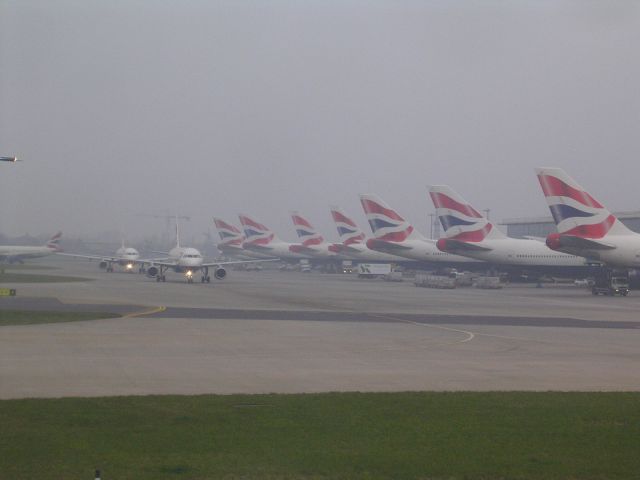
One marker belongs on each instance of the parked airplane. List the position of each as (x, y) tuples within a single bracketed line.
[(393, 234), (585, 226), (353, 240), (470, 234), (312, 242), (19, 253), (261, 239), (125, 257), (231, 241), (187, 260)]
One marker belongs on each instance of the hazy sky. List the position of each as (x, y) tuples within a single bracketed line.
[(214, 108)]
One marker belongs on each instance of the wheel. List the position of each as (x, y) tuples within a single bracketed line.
[(208, 279), (202, 279), (164, 279), (158, 278)]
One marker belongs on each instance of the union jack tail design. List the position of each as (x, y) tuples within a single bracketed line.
[(459, 219), (574, 211), (308, 235), (229, 234), (349, 232), (54, 242), (255, 233), (385, 222)]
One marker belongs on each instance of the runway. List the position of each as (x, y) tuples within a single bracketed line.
[(276, 331)]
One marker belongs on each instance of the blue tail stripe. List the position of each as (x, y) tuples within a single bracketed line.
[(377, 223), (561, 212), (449, 221)]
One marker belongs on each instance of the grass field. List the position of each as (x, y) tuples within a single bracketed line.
[(342, 436), (18, 277), (26, 317)]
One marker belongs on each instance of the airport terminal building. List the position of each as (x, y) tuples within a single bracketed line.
[(542, 226)]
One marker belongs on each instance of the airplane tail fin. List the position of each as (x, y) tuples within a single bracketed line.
[(229, 234), (459, 219), (386, 224), (349, 232), (307, 234), (574, 211), (256, 233), (54, 242)]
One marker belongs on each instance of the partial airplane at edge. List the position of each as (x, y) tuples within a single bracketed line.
[(469, 233), (353, 240), (393, 234), (19, 253), (585, 226)]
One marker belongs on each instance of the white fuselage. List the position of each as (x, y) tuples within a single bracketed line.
[(127, 256), (360, 252), (626, 253), (321, 250), (19, 252), (275, 249), (186, 258), (238, 251), (423, 251), (522, 252)]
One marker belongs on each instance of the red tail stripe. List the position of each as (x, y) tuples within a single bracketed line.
[(247, 222), (475, 235), (339, 217), (554, 187), (298, 220), (597, 230), (440, 200), (372, 207), (223, 224)]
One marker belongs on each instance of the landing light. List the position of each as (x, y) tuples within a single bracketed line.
[(129, 266), (189, 273)]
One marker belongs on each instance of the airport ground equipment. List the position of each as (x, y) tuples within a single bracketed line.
[(434, 281), (611, 283), (373, 270), (488, 283)]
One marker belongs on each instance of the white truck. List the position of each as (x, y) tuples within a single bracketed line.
[(373, 270)]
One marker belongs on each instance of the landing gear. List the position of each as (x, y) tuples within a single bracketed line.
[(142, 269), (205, 275), (110, 268)]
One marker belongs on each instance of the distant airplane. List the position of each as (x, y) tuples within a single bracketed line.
[(259, 238), (9, 159), (231, 240), (469, 233), (19, 253), (353, 241), (585, 226), (126, 257), (187, 260), (393, 234), (312, 242)]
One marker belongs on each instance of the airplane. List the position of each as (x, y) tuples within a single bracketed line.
[(18, 253), (585, 226), (353, 241), (469, 233), (188, 260), (231, 241), (313, 243), (126, 257), (9, 159), (393, 234), (259, 238)]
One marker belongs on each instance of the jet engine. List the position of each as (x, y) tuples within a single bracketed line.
[(220, 273), (152, 271)]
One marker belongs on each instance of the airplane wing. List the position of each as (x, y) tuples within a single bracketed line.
[(108, 258), (571, 241), (236, 262), (457, 245)]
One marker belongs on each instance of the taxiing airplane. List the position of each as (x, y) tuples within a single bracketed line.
[(469, 233), (353, 240), (312, 242), (19, 253), (393, 234), (188, 261), (125, 257), (259, 238), (585, 226)]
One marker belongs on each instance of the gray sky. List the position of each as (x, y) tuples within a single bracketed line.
[(211, 108)]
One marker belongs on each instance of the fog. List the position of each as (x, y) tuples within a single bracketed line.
[(123, 108)]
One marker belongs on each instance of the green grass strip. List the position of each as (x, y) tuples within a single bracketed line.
[(338, 436), (27, 317)]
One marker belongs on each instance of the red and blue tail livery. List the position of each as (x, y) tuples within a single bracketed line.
[(349, 232), (385, 223), (307, 234), (229, 234), (575, 212), (255, 233), (54, 242), (458, 218)]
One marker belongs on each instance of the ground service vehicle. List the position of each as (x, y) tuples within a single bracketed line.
[(611, 283)]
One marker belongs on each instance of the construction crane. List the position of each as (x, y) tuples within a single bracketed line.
[(168, 219)]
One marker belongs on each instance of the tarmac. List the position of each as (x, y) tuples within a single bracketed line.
[(292, 332)]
